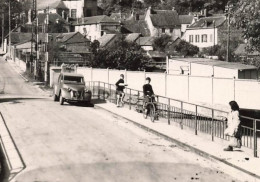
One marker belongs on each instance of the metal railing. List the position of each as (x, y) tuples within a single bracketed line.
[(200, 119)]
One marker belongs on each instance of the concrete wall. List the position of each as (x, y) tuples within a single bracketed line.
[(195, 89)]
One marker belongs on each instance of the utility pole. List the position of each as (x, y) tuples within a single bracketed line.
[(227, 9), (3, 27), (10, 28), (46, 49)]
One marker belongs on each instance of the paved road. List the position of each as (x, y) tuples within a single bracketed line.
[(84, 144)]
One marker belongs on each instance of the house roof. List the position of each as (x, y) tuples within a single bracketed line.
[(106, 39), (217, 63), (208, 22), (71, 37), (53, 17), (145, 41), (241, 50), (17, 37), (136, 26), (186, 19), (132, 37), (165, 18), (96, 20), (120, 16)]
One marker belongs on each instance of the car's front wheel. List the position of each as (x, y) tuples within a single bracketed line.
[(61, 100), (55, 97)]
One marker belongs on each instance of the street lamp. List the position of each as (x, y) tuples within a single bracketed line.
[(228, 13)]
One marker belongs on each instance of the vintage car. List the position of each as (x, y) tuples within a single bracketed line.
[(70, 87)]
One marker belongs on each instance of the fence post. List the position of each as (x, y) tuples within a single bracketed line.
[(168, 112), (130, 98), (196, 121), (255, 139), (165, 79), (212, 125), (181, 123)]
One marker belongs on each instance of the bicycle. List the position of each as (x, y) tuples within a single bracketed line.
[(148, 108)]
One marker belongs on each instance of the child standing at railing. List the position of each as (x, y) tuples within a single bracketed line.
[(234, 127)]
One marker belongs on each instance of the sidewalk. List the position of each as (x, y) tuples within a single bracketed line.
[(241, 159)]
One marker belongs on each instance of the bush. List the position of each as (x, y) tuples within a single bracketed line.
[(186, 49)]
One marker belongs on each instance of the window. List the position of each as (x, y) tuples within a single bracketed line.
[(73, 13), (197, 38), (171, 30), (163, 30), (204, 38), (211, 38), (191, 38)]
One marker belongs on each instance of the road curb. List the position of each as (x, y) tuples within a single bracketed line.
[(183, 145)]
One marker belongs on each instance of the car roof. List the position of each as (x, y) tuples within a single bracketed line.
[(72, 74)]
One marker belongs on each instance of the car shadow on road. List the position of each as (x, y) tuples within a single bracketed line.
[(17, 100)]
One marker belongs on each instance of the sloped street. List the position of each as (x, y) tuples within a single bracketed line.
[(77, 144)]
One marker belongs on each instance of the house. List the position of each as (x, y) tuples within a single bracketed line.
[(96, 26), (108, 40), (241, 52), (146, 43), (186, 21), (157, 59), (71, 8), (205, 32), (211, 68), (73, 42), (162, 22)]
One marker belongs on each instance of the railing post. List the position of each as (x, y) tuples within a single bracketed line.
[(98, 89), (130, 98), (212, 125), (181, 123), (168, 111), (196, 121), (255, 139), (110, 92), (104, 91)]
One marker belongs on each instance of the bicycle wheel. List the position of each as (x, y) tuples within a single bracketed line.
[(144, 111), (152, 112)]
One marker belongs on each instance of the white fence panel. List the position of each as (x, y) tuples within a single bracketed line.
[(158, 82), (177, 87), (100, 75), (247, 94), (223, 90), (200, 89), (135, 79), (86, 72)]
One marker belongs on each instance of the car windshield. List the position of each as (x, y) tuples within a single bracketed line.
[(73, 79)]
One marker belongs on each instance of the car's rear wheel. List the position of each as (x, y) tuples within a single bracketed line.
[(61, 100)]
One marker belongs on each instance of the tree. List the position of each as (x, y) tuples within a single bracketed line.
[(160, 43), (247, 17), (186, 49), (122, 55)]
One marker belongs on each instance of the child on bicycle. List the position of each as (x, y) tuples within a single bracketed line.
[(148, 95), (120, 86)]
